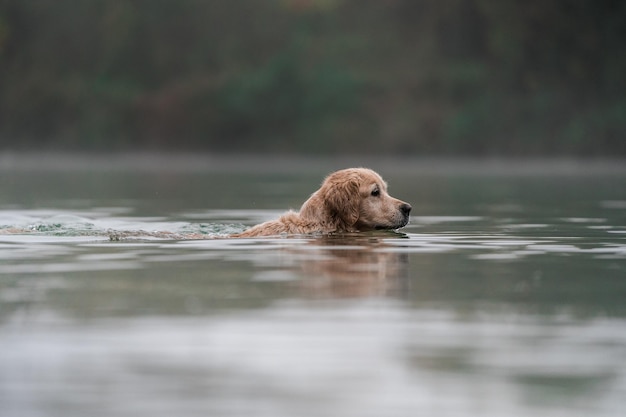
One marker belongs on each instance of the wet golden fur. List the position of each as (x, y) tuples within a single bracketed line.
[(350, 200)]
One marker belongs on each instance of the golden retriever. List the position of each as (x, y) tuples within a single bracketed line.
[(350, 200)]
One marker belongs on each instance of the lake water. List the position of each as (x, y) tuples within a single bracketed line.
[(504, 296)]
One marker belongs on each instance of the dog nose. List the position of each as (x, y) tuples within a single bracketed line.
[(405, 208)]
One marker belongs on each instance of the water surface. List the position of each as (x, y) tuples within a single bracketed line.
[(505, 295)]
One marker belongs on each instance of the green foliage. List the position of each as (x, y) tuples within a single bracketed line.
[(453, 77), (284, 98)]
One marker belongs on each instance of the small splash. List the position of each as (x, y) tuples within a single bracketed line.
[(64, 225), (188, 232), (213, 229), (115, 228)]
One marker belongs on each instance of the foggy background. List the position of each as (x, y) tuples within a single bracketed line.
[(409, 77)]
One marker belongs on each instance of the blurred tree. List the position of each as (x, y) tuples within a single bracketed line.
[(397, 76)]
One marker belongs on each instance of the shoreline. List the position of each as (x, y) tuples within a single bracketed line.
[(184, 162)]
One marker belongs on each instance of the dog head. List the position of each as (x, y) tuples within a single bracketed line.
[(355, 199)]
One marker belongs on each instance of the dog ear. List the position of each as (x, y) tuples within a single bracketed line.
[(341, 197)]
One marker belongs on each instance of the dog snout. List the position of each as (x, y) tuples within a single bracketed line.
[(405, 208)]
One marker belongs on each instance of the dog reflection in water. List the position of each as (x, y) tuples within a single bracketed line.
[(344, 267)]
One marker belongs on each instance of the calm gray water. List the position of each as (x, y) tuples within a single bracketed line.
[(505, 295)]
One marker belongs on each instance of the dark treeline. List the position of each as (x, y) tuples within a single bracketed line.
[(506, 77)]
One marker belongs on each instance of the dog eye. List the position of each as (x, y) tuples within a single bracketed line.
[(375, 192)]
